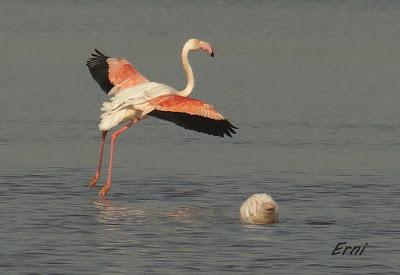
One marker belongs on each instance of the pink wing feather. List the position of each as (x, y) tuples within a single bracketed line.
[(192, 114), (113, 73)]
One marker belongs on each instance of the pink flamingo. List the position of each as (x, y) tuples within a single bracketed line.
[(135, 98)]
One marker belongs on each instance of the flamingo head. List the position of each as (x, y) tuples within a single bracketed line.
[(195, 44)]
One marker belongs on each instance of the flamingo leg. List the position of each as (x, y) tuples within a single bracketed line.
[(104, 190), (95, 178)]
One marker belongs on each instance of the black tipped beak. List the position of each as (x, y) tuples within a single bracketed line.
[(212, 54)]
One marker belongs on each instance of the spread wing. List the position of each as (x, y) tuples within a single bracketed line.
[(192, 114), (113, 74)]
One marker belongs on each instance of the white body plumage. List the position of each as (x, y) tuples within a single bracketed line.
[(131, 103)]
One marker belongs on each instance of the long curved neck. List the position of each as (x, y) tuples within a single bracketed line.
[(189, 73)]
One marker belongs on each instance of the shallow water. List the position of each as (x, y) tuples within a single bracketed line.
[(313, 88)]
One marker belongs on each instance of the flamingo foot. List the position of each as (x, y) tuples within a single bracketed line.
[(104, 190), (93, 180)]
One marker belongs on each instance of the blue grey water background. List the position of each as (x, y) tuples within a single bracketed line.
[(313, 86)]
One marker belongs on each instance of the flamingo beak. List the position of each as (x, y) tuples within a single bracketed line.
[(207, 48)]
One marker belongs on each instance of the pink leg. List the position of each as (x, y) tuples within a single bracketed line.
[(114, 136), (95, 178)]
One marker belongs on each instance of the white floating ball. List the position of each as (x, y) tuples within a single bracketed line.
[(259, 209)]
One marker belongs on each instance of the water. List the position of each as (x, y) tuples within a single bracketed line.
[(312, 86)]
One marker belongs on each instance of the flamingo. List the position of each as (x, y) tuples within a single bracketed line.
[(134, 98)]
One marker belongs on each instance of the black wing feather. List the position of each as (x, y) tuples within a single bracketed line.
[(197, 123), (98, 68)]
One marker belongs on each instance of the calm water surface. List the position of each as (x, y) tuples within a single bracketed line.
[(313, 87)]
